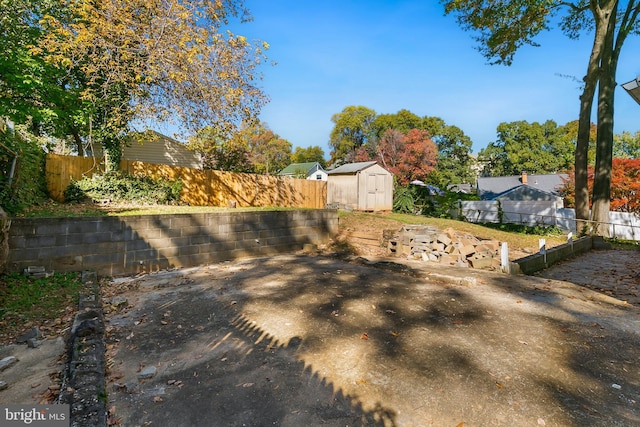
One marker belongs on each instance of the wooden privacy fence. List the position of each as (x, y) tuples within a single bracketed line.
[(200, 187)]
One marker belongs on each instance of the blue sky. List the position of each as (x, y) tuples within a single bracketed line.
[(392, 55)]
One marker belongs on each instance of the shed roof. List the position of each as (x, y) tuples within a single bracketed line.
[(351, 168)]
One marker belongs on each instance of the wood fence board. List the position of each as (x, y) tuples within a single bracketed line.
[(200, 187)]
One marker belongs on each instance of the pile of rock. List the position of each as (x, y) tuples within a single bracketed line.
[(446, 247)]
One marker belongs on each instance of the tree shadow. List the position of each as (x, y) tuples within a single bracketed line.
[(311, 340)]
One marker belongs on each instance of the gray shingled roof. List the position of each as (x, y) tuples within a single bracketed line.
[(490, 187), (351, 168)]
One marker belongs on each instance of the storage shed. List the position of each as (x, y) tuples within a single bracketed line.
[(363, 186)]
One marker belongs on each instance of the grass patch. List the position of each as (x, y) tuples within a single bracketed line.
[(89, 209), (515, 239), (26, 302)]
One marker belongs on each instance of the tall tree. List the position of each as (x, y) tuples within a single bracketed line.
[(504, 26), (454, 152), (96, 66), (270, 152), (351, 131), (221, 153), (529, 147), (402, 121), (408, 156), (309, 154), (34, 92), (626, 145)]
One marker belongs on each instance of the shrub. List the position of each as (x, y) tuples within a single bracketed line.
[(28, 186), (119, 187)]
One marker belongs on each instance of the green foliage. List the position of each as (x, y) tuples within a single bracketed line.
[(118, 187), (419, 200), (626, 145), (308, 155), (353, 128), (532, 147), (37, 298), (28, 186), (404, 200), (443, 205)]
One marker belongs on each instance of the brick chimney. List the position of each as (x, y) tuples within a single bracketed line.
[(524, 179)]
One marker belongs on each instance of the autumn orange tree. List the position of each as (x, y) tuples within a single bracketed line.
[(625, 185), (408, 156)]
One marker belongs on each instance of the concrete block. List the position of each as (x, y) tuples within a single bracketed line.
[(480, 262), (438, 247), (444, 239), (448, 259), (467, 250)]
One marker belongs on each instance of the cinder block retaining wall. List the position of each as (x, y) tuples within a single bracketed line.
[(123, 245), (539, 261)]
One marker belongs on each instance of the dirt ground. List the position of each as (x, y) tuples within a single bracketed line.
[(316, 340), (311, 340)]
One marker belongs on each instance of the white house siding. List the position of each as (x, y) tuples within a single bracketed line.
[(319, 173)]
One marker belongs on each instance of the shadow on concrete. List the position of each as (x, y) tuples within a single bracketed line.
[(310, 340)]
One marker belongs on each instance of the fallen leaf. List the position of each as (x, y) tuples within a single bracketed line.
[(361, 381), (364, 336), (499, 385), (460, 424)]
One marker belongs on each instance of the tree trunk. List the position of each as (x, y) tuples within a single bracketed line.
[(582, 151), (5, 222), (602, 19), (604, 143), (79, 144)]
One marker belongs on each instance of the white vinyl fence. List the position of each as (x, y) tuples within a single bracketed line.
[(622, 225)]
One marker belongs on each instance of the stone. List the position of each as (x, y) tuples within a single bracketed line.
[(147, 372), (88, 327), (34, 333), (481, 262), (448, 259), (7, 362), (444, 239), (3, 385), (467, 250), (33, 343), (119, 301)]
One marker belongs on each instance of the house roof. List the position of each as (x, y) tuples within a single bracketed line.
[(526, 192), (491, 187), (294, 168), (351, 168)]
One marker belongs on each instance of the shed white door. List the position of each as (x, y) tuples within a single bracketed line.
[(375, 192)]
